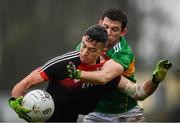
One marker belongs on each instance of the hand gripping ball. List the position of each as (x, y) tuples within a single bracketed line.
[(40, 103)]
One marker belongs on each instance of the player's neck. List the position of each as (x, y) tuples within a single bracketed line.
[(112, 44)]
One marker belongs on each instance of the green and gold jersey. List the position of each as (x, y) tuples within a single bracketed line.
[(116, 101), (122, 54)]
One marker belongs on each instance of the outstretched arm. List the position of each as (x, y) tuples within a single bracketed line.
[(142, 91), (15, 101), (34, 78)]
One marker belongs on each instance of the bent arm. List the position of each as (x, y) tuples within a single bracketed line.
[(109, 71), (137, 91), (34, 78)]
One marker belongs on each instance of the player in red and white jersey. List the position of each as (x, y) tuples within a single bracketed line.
[(71, 96)]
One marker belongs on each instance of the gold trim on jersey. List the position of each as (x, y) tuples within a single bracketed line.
[(130, 71)]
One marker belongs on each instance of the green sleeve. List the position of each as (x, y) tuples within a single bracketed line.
[(125, 59)]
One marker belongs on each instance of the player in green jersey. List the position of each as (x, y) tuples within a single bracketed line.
[(115, 106), (136, 91)]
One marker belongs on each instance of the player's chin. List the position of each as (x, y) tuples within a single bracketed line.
[(112, 40)]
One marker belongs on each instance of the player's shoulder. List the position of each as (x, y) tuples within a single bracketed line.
[(68, 55), (71, 53), (120, 48), (123, 47), (63, 58)]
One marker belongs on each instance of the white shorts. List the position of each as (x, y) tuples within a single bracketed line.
[(133, 115)]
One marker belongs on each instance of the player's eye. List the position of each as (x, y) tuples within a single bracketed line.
[(115, 29)]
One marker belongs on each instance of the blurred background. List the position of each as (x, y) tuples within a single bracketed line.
[(33, 31)]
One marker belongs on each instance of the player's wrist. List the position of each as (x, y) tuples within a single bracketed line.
[(154, 80), (155, 77), (12, 99)]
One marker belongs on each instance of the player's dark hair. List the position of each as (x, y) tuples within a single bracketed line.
[(97, 33), (116, 14)]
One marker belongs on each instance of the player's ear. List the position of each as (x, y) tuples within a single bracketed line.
[(124, 31)]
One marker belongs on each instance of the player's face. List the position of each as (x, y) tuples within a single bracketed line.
[(90, 50), (114, 29)]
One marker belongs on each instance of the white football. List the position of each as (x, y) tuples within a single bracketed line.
[(40, 103)]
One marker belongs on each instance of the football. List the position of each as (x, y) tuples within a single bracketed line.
[(40, 103)]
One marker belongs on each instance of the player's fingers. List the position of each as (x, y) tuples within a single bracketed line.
[(168, 65), (70, 71), (19, 99), (67, 66), (163, 63), (22, 109), (72, 65), (24, 116), (70, 76), (25, 110), (160, 63)]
